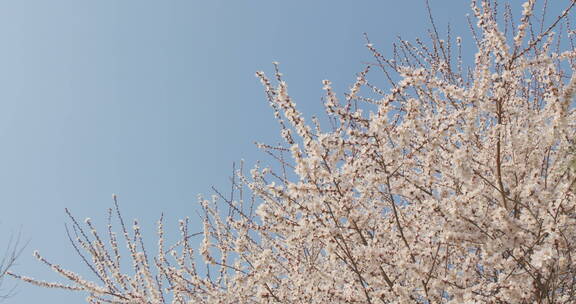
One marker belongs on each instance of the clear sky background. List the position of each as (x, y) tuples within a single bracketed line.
[(154, 101)]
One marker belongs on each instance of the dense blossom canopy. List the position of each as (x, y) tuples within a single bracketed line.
[(452, 185)]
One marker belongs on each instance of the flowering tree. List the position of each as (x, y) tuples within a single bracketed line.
[(455, 185)]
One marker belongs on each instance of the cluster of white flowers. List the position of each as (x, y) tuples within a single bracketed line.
[(451, 188)]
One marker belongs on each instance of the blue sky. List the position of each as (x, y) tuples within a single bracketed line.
[(154, 101)]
